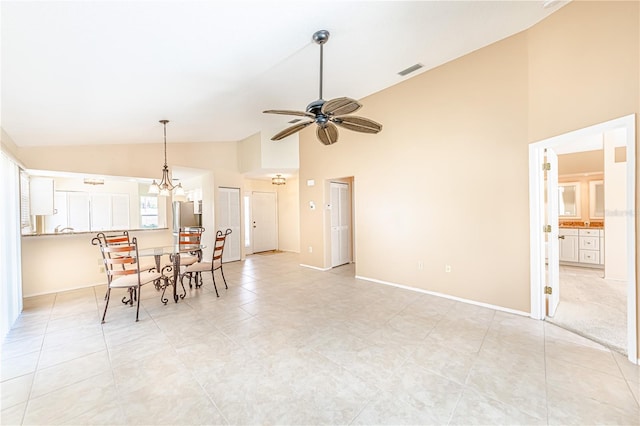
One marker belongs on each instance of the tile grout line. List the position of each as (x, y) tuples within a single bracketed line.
[(44, 335)]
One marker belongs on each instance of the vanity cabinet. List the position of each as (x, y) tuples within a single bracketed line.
[(582, 246), (589, 246), (568, 245)]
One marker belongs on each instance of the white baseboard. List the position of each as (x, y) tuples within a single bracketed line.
[(314, 267), (447, 296), (64, 289)]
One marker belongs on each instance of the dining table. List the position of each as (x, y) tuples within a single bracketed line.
[(171, 272)]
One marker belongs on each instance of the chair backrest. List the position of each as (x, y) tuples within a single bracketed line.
[(118, 259), (116, 239), (190, 238), (218, 247)]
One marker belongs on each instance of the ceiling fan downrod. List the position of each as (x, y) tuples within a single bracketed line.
[(321, 37)]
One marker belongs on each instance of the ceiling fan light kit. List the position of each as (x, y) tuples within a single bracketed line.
[(328, 115)]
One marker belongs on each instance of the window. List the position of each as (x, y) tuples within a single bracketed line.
[(149, 215)]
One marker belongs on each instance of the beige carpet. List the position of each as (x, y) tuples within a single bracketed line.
[(593, 307)]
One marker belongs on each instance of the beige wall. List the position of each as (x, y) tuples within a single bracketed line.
[(446, 181)]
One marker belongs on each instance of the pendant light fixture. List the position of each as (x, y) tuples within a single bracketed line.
[(165, 187), (278, 180)]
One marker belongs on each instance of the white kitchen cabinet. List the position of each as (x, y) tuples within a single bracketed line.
[(82, 212), (568, 245), (78, 204), (41, 195)]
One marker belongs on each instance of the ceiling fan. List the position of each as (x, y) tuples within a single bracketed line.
[(327, 114)]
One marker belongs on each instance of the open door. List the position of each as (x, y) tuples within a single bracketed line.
[(552, 288)]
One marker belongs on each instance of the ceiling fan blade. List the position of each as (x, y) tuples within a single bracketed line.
[(358, 124), (341, 106), (291, 130), (327, 133), (289, 112)]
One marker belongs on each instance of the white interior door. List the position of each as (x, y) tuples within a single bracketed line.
[(553, 246), (264, 226), (229, 218), (340, 224)]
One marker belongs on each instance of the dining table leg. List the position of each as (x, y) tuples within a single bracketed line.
[(176, 278)]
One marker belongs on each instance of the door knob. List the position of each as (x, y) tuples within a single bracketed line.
[(561, 237)]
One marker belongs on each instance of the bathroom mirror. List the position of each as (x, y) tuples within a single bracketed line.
[(569, 200), (596, 199)]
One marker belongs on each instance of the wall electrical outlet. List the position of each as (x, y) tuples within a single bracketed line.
[(447, 268), (310, 249), (420, 265)]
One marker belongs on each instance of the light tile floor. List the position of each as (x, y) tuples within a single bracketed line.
[(291, 345)]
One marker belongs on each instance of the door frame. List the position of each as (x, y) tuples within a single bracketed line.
[(553, 242), (536, 220)]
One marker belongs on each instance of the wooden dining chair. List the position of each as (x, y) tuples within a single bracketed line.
[(123, 238), (118, 238), (122, 269), (216, 263), (189, 240)]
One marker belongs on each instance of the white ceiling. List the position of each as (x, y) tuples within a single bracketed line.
[(105, 72)]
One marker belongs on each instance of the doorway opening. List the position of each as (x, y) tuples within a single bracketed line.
[(619, 241)]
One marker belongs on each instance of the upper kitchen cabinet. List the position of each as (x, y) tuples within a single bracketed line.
[(41, 195)]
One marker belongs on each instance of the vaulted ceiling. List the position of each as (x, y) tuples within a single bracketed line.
[(105, 72)]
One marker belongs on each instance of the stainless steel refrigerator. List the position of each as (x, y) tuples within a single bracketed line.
[(184, 215)]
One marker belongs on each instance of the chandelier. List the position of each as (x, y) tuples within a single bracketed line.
[(278, 180), (165, 187)]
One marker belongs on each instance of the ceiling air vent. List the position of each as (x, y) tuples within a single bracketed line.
[(411, 69), (295, 120)]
